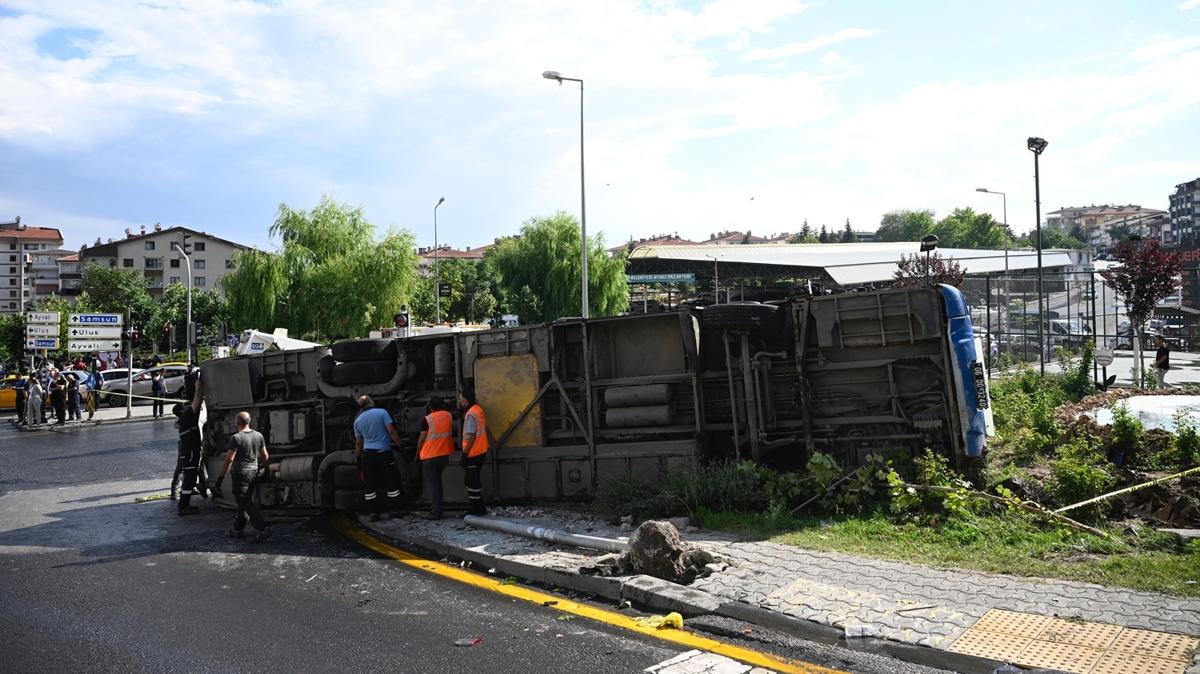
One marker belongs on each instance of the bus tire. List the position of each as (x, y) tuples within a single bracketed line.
[(359, 350), (348, 500), (363, 372), (741, 316), (345, 476)]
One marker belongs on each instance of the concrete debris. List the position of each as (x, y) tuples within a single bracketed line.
[(858, 631), (657, 550)]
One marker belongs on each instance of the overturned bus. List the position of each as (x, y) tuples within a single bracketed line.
[(574, 404)]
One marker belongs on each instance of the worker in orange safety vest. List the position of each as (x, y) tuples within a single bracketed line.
[(474, 450), (437, 444)]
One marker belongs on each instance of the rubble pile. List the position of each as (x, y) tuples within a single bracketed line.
[(656, 549)]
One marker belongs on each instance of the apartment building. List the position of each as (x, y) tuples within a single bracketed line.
[(1102, 225), (1185, 209), (152, 254), (21, 283)]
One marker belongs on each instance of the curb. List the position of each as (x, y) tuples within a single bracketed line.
[(80, 425), (664, 595)]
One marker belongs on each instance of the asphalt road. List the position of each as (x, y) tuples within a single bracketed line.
[(92, 581)]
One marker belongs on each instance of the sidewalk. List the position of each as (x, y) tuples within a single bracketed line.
[(104, 416), (1069, 626)]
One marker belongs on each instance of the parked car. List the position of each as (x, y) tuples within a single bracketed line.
[(142, 386), (8, 395)]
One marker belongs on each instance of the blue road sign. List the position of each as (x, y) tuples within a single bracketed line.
[(96, 319), (636, 279)]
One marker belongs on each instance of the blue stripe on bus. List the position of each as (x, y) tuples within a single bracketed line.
[(962, 342)]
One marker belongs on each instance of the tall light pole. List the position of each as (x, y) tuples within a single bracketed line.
[(437, 272), (1037, 146), (716, 278), (187, 328), (554, 75), (1004, 201)]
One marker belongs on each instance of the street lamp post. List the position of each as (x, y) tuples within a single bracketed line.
[(1004, 202), (437, 272), (716, 278), (554, 75), (1037, 146), (188, 327)]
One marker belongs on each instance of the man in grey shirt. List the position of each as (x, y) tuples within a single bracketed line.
[(246, 449)]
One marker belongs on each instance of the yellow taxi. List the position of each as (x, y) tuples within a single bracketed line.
[(8, 395)]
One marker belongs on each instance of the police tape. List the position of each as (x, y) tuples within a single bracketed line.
[(134, 395)]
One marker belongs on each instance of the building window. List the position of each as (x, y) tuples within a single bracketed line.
[(149, 245), (229, 264), (31, 246), (200, 281), (127, 262), (198, 264), (13, 258), (12, 293), (174, 279), (154, 263), (13, 281), (175, 263), (12, 270), (199, 246)]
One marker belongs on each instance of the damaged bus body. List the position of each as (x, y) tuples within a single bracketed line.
[(575, 404)]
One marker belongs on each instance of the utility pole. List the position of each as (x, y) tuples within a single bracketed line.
[(437, 274), (129, 365), (1037, 146), (189, 331)]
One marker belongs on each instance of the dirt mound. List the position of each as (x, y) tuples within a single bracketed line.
[(656, 549)]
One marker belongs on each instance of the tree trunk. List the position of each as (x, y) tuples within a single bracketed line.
[(1137, 357)]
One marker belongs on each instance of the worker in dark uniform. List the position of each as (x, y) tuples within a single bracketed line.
[(374, 435), (190, 378), (248, 458), (95, 382), (436, 445), (188, 460), (475, 446), (158, 389), (20, 386)]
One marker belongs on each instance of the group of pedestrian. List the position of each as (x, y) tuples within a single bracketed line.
[(64, 391), (375, 434)]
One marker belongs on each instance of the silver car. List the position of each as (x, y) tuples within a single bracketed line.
[(143, 386)]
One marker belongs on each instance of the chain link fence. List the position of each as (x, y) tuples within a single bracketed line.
[(1077, 307)]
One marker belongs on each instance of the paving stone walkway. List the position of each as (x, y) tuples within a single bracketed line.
[(922, 605)]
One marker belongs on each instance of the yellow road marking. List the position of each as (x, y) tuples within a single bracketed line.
[(681, 637)]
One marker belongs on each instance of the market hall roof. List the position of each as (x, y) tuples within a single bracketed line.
[(846, 264)]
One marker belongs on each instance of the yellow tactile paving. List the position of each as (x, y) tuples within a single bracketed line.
[(1068, 658), (990, 645), (1076, 633), (1012, 622), (1156, 644), (1115, 662), (1074, 645)]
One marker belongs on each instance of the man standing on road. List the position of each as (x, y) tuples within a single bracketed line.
[(247, 451), (95, 381), (436, 446), (34, 403), (474, 450), (190, 378), (1162, 360), (158, 389), (73, 397), (374, 434), (19, 386), (58, 397), (188, 459)]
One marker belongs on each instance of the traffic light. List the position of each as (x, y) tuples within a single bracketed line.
[(136, 335), (187, 244)]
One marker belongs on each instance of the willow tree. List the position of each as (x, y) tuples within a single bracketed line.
[(332, 276), (541, 271)]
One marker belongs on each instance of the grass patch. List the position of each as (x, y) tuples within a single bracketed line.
[(986, 543)]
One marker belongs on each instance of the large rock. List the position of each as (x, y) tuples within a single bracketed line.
[(656, 549)]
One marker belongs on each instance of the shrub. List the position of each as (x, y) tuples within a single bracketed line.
[(1081, 473), (1187, 440), (1127, 430), (1078, 382)]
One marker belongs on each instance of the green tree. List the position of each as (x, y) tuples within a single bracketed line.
[(805, 235), (12, 338), (540, 270), (848, 235), (1052, 238), (210, 309), (823, 237), (331, 278), (905, 225), (964, 228), (472, 292), (113, 290)]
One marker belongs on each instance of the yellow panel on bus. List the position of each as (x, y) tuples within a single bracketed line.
[(504, 386)]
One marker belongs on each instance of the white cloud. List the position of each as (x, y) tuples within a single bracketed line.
[(1189, 4), (819, 42)]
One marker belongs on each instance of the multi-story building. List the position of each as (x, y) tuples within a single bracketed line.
[(152, 254), (1101, 225), (21, 284), (1185, 210), (70, 275)]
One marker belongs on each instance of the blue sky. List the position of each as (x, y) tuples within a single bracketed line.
[(210, 114)]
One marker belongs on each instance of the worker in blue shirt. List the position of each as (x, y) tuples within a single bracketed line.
[(374, 435)]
